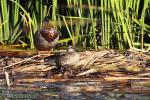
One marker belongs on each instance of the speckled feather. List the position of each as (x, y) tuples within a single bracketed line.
[(66, 59)]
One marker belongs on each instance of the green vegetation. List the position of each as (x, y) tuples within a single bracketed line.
[(117, 24)]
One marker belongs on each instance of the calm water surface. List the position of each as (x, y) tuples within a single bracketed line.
[(54, 94)]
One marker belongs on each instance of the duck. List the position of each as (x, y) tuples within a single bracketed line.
[(64, 60), (46, 37)]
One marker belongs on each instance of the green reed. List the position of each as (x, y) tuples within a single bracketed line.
[(5, 17), (127, 24), (121, 24), (16, 20)]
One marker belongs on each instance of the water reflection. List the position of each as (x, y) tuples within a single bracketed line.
[(7, 94)]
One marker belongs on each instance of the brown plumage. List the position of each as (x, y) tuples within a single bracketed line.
[(66, 60), (46, 37)]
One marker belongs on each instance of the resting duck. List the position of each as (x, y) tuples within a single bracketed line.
[(46, 37), (65, 60)]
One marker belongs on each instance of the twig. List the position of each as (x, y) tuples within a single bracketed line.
[(97, 56), (139, 50), (91, 59), (24, 60), (7, 78), (126, 78), (148, 49), (144, 74), (87, 72)]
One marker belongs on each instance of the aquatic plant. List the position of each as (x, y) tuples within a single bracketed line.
[(96, 24)]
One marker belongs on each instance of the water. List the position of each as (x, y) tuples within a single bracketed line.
[(45, 95), (61, 93)]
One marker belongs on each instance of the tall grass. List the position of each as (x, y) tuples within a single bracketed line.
[(125, 28), (5, 18), (18, 22), (120, 24)]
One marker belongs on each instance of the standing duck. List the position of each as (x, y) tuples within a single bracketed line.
[(46, 37)]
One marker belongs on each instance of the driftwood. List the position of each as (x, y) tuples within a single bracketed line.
[(128, 69)]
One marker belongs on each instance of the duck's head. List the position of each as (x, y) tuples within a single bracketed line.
[(48, 24), (49, 30), (70, 49)]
